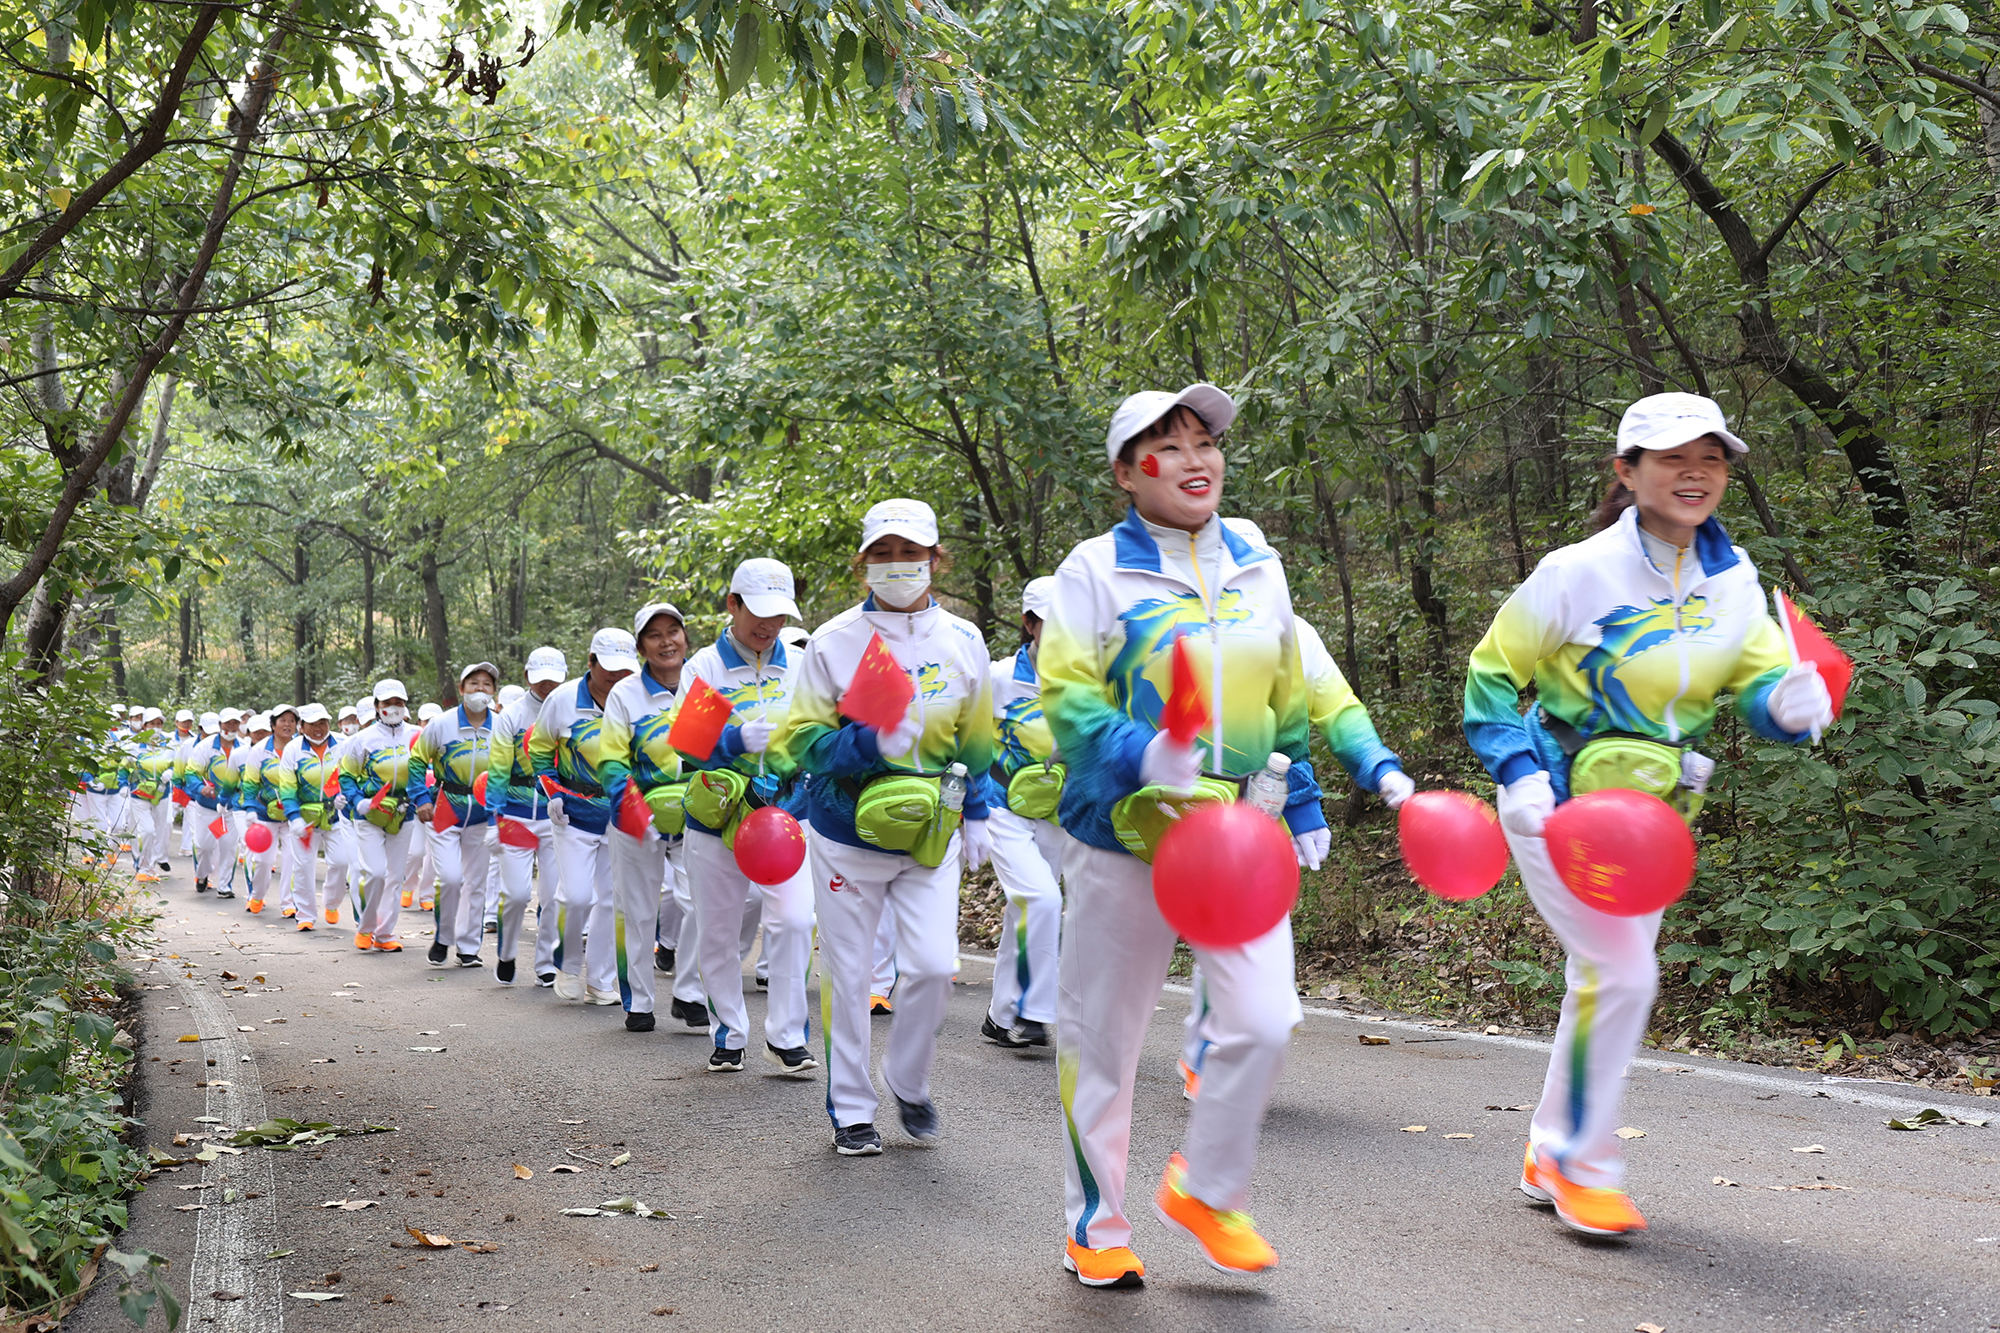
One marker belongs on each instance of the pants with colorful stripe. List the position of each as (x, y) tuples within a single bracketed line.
[(459, 853), (882, 978), (301, 872), (271, 863), (686, 939), (307, 893), (419, 867), (720, 893), (519, 884), (638, 881), (853, 889), (1612, 975), (587, 904), (190, 813), (156, 819), (489, 905), (1027, 858), (384, 859), (1116, 949), (215, 853)]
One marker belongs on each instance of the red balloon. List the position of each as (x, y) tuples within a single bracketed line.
[(1625, 853), (770, 846), (257, 838), (1224, 875), (479, 790), (1452, 843)]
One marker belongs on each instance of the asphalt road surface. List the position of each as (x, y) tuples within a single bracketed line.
[(1379, 1226)]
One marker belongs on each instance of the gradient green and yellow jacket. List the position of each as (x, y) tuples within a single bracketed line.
[(308, 778), (154, 776), (263, 782), (567, 749), (1613, 642), (209, 775), (1020, 729), (458, 750), (755, 688), (375, 760), (511, 789), (638, 713)]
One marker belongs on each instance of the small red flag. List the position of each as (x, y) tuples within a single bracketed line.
[(380, 797), (513, 833), (442, 815), (1810, 644), (880, 693), (332, 784), (699, 723), (634, 815), (1186, 710), (179, 797), (215, 829)]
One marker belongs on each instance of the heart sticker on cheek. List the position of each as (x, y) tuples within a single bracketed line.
[(1150, 465)]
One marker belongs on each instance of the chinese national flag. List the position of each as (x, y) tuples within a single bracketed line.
[(215, 829), (880, 693), (634, 815), (179, 797), (1810, 644), (442, 815), (513, 833), (698, 725), (380, 797), (1186, 711)]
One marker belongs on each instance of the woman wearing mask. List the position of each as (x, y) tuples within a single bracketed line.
[(261, 802), (454, 748), (1173, 569), (885, 837), (519, 806), (374, 793), (1630, 636), (309, 778)]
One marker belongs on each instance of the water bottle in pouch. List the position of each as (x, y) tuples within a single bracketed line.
[(1266, 790)]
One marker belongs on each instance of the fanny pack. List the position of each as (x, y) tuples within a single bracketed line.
[(1674, 773), (387, 816), (316, 815), (1143, 818), (668, 803), (714, 798), (905, 812), (1035, 791)]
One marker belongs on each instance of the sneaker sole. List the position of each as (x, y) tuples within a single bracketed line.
[(1535, 1192), (871, 1150), (1128, 1278), (724, 1069), (805, 1066), (1208, 1258)]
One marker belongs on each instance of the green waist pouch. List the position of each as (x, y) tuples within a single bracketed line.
[(1636, 764), (315, 816), (669, 809), (1143, 818), (387, 816), (274, 811), (1036, 791), (714, 799), (905, 812)]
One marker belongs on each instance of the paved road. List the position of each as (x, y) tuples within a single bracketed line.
[(1379, 1229)]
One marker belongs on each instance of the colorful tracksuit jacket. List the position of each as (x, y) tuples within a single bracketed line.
[(756, 688), (153, 768), (245, 766), (567, 750), (374, 760), (1339, 715), (263, 790), (946, 659), (1106, 663), (1020, 731), (638, 713), (511, 789), (1615, 643), (209, 775), (457, 750), (309, 778)]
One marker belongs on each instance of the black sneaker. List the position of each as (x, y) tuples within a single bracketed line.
[(1027, 1032), (638, 1022), (763, 982), (437, 954), (725, 1062), (470, 960), (225, 893), (857, 1141), (503, 971), (663, 958), (920, 1120), (545, 979), (492, 928), (694, 1015), (998, 1035), (201, 886), (791, 1059), (166, 867)]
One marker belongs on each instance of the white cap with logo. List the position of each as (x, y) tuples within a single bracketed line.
[(427, 712), (651, 609), (614, 649), (153, 715), (546, 664), (1216, 409), (390, 688), (1670, 420), (313, 713), (349, 710), (898, 518), (487, 667), (1039, 596), (185, 715), (229, 715), (510, 695), (210, 724), (765, 585), (795, 636), (259, 722)]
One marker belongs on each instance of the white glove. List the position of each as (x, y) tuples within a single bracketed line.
[(1395, 788), (755, 735), (1526, 804), (1799, 701), (1312, 847), (340, 802), (297, 826), (977, 840), (1166, 763), (900, 740), (557, 815)]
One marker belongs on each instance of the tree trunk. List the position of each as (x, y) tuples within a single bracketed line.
[(302, 621), (46, 617), (187, 648), (1349, 663), (367, 614), (114, 649), (435, 629)]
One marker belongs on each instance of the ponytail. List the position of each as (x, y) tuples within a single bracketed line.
[(1617, 497)]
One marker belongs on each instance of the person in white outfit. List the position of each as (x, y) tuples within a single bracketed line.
[(519, 808), (420, 882), (893, 816), (262, 807), (188, 734), (374, 793), (446, 758), (211, 784), (568, 751), (309, 779)]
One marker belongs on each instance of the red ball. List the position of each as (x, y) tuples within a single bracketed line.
[(1452, 843), (257, 838), (1625, 853), (479, 790), (1225, 874), (770, 846)]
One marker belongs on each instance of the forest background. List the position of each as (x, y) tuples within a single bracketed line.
[(341, 339)]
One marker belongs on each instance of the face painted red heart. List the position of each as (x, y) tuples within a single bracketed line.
[(1150, 465)]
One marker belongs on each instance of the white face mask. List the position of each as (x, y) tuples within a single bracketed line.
[(391, 715), (349, 728), (900, 582), (477, 702)]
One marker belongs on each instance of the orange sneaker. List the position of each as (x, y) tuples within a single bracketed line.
[(254, 906), (406, 897), (1592, 1209), (289, 912), (145, 877), (388, 946), (1114, 1266), (879, 1004), (124, 846), (364, 943), (1190, 1081), (305, 923), (426, 906), (333, 916), (1228, 1240)]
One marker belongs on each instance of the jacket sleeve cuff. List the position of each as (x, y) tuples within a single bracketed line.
[(1372, 779), (1515, 767), (731, 744), (1305, 817), (1125, 750)]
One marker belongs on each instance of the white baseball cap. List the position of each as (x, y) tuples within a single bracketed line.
[(1670, 420), (1215, 408), (471, 667), (651, 609), (898, 518), (185, 715), (365, 710), (136, 708), (210, 724), (615, 649), (390, 688), (765, 585), (153, 715), (427, 712), (281, 709), (313, 713), (510, 695), (1039, 596), (260, 722), (547, 664), (229, 715), (349, 710)]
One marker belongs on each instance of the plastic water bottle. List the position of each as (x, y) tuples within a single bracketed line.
[(1266, 790), (952, 788)]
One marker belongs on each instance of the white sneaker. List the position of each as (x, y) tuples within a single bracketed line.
[(569, 986), (592, 995)]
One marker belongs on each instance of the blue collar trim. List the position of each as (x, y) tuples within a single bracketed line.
[(1024, 666), (653, 686), (1136, 549)]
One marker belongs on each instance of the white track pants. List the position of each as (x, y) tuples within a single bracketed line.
[(489, 907), (419, 872), (687, 971), (853, 888), (459, 853), (1115, 952), (268, 865), (720, 892), (519, 884), (300, 890), (215, 853), (1612, 974), (882, 971), (587, 902), (155, 823), (308, 895), (384, 860), (1194, 1036), (1027, 858), (190, 822), (638, 880)]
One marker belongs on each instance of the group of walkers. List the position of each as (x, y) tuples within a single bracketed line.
[(1052, 763)]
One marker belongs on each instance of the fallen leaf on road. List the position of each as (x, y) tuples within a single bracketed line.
[(430, 1240), (664, 1309), (522, 1172), (1722, 1180), (318, 1295), (322, 1062), (208, 1120), (226, 1295), (189, 1207), (259, 978), (1366, 1040), (621, 1159), (229, 976), (569, 1122), (649, 1268), (1492, 1029), (628, 1204), (244, 1029), (583, 1212), (1647, 1328), (1931, 1116), (1627, 1132), (429, 1050), (1415, 1129), (280, 1254), (486, 1247), (349, 1205), (565, 1169), (1811, 1147), (189, 1037), (1458, 1136), (1822, 1185), (427, 1034)]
